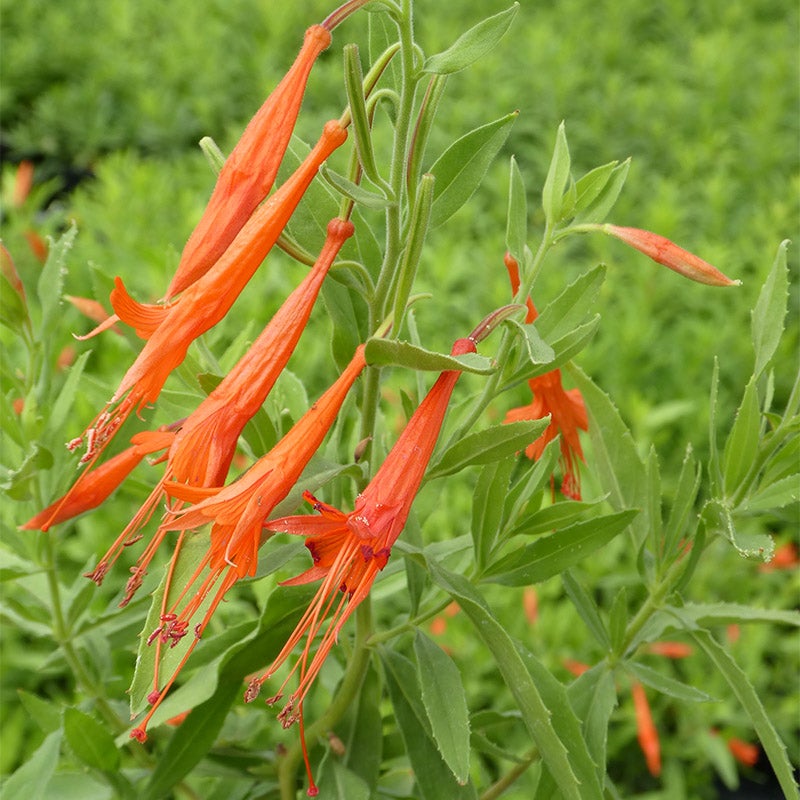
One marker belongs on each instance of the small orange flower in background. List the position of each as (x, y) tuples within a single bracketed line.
[(349, 550), (566, 409), (746, 753), (670, 649), (785, 557), (238, 513), (646, 731), (667, 253)]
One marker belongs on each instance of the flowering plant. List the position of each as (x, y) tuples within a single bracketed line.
[(215, 417)]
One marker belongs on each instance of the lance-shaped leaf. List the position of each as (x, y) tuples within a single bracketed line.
[(719, 518), (391, 352), (355, 192), (460, 169), (90, 741), (557, 176), (597, 209), (552, 555), (445, 704), (770, 311), (564, 752), (517, 217), (488, 445), (742, 444), (666, 685), (471, 45)]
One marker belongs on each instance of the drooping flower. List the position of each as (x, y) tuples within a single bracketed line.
[(566, 409), (203, 448), (95, 485), (250, 170), (171, 329), (669, 254), (238, 512), (349, 550)]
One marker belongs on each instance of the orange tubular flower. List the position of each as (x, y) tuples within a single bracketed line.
[(238, 512), (667, 253), (646, 731), (566, 409), (205, 445), (349, 550), (94, 486), (171, 329), (249, 171)]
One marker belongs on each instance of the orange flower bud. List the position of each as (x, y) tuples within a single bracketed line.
[(670, 255)]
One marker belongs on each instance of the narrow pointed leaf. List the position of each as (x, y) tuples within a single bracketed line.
[(552, 555), (391, 352), (517, 217), (445, 703), (557, 177), (90, 741), (668, 686), (471, 45), (598, 209), (742, 444), (770, 311), (460, 169), (488, 445)]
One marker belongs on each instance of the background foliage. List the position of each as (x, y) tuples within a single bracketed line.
[(109, 101)]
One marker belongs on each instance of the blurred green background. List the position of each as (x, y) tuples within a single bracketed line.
[(110, 99)]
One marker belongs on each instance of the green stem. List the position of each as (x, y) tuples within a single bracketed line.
[(351, 685), (497, 788)]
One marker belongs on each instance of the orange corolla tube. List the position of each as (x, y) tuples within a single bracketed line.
[(94, 486), (238, 513), (249, 171), (349, 550), (173, 328), (203, 448)]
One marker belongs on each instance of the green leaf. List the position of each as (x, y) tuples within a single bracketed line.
[(746, 694), (339, 783), (552, 518), (61, 408), (589, 186), (534, 478), (768, 316), (30, 781), (682, 504), (618, 621), (488, 507), (47, 715), (473, 44), (445, 703), (571, 307), (593, 696), (51, 279), (364, 730), (434, 778), (353, 191), (742, 444), (552, 555), (617, 463), (586, 606), (391, 352), (719, 518), (666, 685), (597, 210), (517, 217), (491, 444), (91, 742), (534, 349), (730, 613), (460, 169), (13, 312), (775, 495), (568, 770), (557, 176)]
